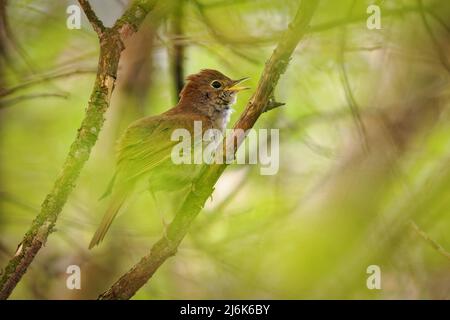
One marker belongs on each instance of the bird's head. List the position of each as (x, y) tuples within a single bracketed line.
[(210, 92)]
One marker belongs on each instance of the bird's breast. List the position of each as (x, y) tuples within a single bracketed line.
[(221, 117)]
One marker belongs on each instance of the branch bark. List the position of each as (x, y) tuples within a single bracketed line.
[(111, 45), (203, 187), (97, 25)]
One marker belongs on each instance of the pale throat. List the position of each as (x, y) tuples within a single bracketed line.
[(221, 117), (220, 113)]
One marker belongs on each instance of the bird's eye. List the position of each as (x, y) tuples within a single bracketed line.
[(216, 84)]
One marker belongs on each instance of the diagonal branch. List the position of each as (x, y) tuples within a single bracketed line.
[(43, 78), (178, 49), (96, 23), (350, 97), (436, 246), (440, 51), (111, 46), (12, 101), (203, 187)]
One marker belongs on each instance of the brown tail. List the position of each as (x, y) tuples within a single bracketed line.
[(114, 207)]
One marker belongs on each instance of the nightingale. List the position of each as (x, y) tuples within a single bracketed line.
[(144, 150)]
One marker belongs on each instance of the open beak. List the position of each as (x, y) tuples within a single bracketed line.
[(236, 87)]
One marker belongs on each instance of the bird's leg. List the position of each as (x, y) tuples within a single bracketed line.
[(161, 214)]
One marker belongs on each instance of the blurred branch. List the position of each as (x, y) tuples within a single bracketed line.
[(346, 84), (8, 40), (325, 26), (177, 58), (7, 197), (136, 69), (363, 48), (363, 17), (111, 42), (393, 130), (44, 78), (266, 40), (436, 246), (440, 52), (203, 187), (15, 100), (220, 37)]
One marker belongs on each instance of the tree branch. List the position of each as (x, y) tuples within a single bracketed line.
[(111, 46), (177, 57), (12, 101), (436, 246), (203, 187), (98, 26), (350, 97), (440, 52), (43, 78)]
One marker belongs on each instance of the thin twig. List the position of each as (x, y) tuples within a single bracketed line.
[(220, 37), (43, 78), (438, 19), (440, 52), (352, 104), (330, 25), (427, 238), (9, 41), (12, 101)]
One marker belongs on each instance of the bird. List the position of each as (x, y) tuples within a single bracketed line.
[(143, 155)]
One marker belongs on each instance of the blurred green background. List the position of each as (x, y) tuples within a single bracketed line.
[(364, 153)]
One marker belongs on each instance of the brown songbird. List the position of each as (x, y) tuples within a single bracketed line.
[(144, 150)]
